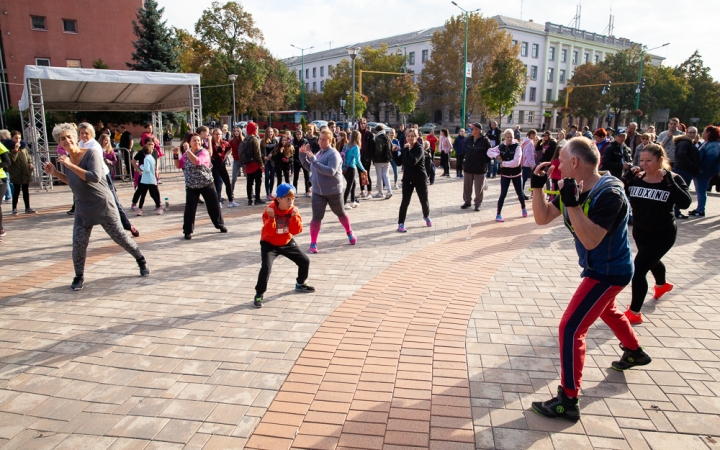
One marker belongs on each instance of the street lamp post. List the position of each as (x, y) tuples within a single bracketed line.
[(640, 76), (233, 77), (353, 52), (302, 72), (464, 66)]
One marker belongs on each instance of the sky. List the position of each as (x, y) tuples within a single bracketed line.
[(325, 24)]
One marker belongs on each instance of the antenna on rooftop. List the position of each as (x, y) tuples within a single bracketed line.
[(575, 22), (521, 9), (330, 45)]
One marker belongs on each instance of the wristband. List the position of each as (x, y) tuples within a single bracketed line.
[(569, 193), (538, 181)]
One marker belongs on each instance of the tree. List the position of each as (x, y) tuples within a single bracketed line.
[(587, 102), (155, 48), (502, 86), (663, 89), (360, 104), (442, 78), (100, 64), (405, 94), (703, 97)]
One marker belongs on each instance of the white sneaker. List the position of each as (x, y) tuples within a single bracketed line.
[(355, 204), (347, 206), (378, 195), (395, 186), (220, 205), (389, 194), (133, 207), (233, 204)]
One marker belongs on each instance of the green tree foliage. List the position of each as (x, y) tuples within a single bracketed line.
[(703, 98), (155, 47), (585, 102), (360, 104), (405, 94), (502, 86), (100, 64), (227, 42), (442, 78)]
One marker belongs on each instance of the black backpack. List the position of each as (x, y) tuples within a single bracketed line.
[(382, 148), (247, 155)]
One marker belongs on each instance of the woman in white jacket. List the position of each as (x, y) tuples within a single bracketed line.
[(509, 153)]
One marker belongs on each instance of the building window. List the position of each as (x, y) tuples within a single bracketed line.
[(307, 86), (587, 58), (575, 58), (411, 57), (74, 63), (307, 73), (521, 116), (533, 94), (562, 75), (322, 71), (514, 42), (424, 55), (530, 117), (42, 62), (329, 69), (299, 74), (551, 74), (387, 113), (322, 85), (522, 96), (533, 72), (510, 117), (552, 54), (524, 49), (314, 72), (563, 56), (38, 23), (548, 95), (535, 50), (69, 26), (597, 59), (314, 85)]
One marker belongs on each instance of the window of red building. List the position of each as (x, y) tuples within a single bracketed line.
[(38, 23)]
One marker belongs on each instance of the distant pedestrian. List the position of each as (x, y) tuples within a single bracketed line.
[(412, 159)]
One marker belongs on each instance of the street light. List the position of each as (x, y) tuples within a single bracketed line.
[(353, 52), (233, 77), (464, 68), (641, 80), (302, 72)]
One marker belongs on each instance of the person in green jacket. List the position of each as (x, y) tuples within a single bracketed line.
[(21, 172)]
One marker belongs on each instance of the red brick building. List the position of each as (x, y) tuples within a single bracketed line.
[(62, 33)]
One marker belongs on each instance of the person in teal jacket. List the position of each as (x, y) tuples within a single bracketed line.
[(352, 165)]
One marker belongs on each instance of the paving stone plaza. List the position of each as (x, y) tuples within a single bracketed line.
[(438, 338)]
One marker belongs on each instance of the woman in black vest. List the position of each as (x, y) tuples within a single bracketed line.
[(509, 153)]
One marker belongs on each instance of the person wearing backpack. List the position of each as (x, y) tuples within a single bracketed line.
[(381, 159), (687, 161), (252, 157)]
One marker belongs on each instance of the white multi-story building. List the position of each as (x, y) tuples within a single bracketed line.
[(550, 53)]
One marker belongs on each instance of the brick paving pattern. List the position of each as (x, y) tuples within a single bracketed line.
[(422, 340)]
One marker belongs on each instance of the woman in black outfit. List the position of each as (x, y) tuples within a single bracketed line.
[(412, 159), (652, 193), (282, 157), (299, 141), (509, 153)]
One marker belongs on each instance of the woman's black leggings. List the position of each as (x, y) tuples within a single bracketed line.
[(505, 185), (652, 245), (25, 188), (407, 190), (349, 185), (296, 174), (282, 171)]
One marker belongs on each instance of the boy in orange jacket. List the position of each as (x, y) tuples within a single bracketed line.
[(281, 220)]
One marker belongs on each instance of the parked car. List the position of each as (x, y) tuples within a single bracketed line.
[(320, 123), (428, 127), (242, 124)]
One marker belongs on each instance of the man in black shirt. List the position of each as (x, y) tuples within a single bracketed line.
[(126, 142), (475, 166)]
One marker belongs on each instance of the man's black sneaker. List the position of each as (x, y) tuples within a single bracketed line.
[(250, 203), (223, 229), (632, 358), (681, 216), (465, 206), (188, 236), (259, 201), (144, 271), (304, 288), (561, 407), (77, 283), (258, 301), (696, 213), (477, 208)]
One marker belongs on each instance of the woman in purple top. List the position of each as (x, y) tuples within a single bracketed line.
[(195, 163)]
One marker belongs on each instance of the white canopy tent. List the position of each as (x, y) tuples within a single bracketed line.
[(68, 89)]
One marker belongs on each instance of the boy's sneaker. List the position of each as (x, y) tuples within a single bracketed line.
[(77, 283), (524, 212), (388, 196), (560, 407), (352, 238), (304, 288), (401, 228), (142, 264), (258, 301), (632, 358), (160, 211), (662, 290), (233, 204), (633, 317), (313, 248), (499, 218), (428, 222), (14, 212), (139, 211), (378, 195), (133, 207), (347, 206), (696, 213)]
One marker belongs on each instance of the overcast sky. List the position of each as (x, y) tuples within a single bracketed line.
[(321, 23)]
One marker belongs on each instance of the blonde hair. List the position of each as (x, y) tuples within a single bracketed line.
[(4, 134), (355, 139), (509, 131), (658, 152), (328, 133)]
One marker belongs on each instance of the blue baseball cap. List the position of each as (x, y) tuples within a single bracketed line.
[(284, 189)]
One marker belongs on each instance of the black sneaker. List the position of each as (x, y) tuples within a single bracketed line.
[(477, 208), (259, 201), (77, 283), (696, 213), (560, 407), (71, 212), (465, 206), (632, 358), (258, 301), (188, 237), (144, 271), (223, 229), (250, 203), (681, 216), (304, 288)]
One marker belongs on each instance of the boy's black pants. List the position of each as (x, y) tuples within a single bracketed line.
[(292, 252)]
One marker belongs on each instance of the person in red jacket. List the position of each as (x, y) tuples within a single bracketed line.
[(281, 221)]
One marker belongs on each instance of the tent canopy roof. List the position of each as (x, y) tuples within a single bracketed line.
[(69, 89)]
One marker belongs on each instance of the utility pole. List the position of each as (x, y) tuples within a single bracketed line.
[(641, 80), (302, 73), (464, 66), (353, 52)]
